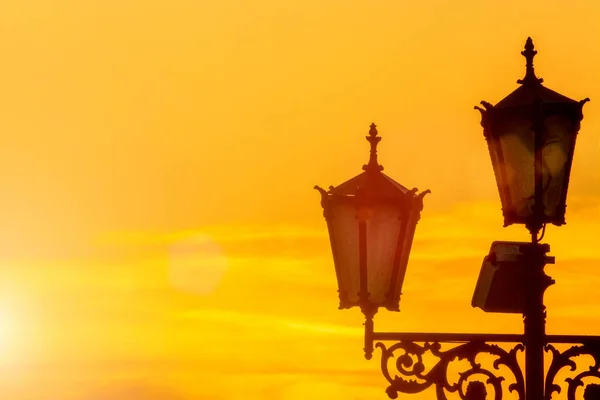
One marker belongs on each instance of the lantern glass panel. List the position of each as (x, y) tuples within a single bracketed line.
[(344, 240), (406, 242), (556, 150), (516, 164), (383, 231)]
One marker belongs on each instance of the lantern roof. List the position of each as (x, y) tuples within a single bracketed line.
[(377, 184), (526, 95), (531, 89), (372, 180)]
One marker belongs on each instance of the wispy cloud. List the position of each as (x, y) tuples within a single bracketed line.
[(271, 323)]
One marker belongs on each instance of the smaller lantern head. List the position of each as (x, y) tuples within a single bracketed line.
[(531, 139), (371, 221)]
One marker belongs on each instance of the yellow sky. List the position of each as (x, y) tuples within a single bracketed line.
[(159, 236)]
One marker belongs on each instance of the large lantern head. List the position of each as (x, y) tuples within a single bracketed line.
[(531, 139), (371, 221)]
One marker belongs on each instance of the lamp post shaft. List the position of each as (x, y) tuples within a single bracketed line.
[(535, 322)]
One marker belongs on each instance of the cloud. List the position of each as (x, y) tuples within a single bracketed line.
[(289, 269), (271, 323), (134, 391), (475, 223)]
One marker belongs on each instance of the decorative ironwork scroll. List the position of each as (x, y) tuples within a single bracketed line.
[(569, 359), (411, 375)]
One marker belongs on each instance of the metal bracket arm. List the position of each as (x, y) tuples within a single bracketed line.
[(489, 366)]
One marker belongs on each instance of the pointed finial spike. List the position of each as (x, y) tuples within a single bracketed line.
[(373, 140), (529, 53)]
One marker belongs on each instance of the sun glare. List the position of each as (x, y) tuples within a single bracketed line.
[(6, 335), (197, 265)]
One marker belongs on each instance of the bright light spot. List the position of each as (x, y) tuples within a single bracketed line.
[(197, 265), (4, 332), (6, 335)]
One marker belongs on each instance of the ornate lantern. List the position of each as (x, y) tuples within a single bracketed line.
[(371, 221), (531, 139)]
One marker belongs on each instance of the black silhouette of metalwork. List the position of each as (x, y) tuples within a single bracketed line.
[(372, 220), (491, 366), (568, 360), (413, 376)]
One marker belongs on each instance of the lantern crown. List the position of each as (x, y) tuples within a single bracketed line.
[(531, 89), (372, 181)]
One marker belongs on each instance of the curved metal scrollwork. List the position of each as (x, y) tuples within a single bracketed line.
[(567, 359), (411, 375)]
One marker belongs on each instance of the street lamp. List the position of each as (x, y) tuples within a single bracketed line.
[(372, 219), (531, 139)]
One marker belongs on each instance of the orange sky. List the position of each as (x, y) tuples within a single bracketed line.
[(160, 238)]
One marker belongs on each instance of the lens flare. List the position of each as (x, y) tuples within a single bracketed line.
[(197, 265)]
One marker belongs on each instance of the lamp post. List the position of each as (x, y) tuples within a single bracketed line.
[(372, 220)]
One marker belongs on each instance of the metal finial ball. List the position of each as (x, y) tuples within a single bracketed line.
[(373, 130), (529, 44), (529, 51)]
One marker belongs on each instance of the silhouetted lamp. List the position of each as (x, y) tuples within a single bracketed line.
[(531, 138), (371, 221)]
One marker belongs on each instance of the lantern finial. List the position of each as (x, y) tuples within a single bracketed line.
[(529, 53), (373, 165)]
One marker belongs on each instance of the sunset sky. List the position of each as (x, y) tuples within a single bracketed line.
[(160, 237)]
